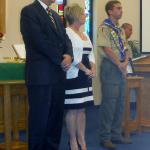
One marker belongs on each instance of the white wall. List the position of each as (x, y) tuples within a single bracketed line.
[(81, 2), (145, 26), (12, 35)]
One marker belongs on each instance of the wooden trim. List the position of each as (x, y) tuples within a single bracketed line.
[(2, 16), (145, 123)]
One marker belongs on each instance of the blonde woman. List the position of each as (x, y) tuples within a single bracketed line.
[(78, 94)]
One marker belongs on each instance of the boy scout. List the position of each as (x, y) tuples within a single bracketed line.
[(112, 50)]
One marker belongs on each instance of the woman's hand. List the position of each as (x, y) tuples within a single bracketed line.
[(91, 73)]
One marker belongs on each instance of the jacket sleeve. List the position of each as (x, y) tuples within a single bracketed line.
[(68, 44), (33, 35), (77, 47)]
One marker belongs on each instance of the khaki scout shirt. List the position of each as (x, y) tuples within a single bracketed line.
[(105, 39)]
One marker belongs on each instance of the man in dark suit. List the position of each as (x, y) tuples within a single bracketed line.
[(48, 56)]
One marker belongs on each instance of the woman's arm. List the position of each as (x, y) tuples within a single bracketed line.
[(82, 67)]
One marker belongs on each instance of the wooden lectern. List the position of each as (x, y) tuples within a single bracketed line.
[(7, 92), (133, 82), (142, 66), (13, 96)]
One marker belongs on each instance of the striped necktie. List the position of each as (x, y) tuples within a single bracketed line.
[(51, 17)]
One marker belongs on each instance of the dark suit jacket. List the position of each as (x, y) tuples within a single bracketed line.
[(44, 44)]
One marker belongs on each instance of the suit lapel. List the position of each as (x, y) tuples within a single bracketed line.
[(46, 17)]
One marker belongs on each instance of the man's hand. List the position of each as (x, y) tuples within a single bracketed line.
[(123, 68), (66, 62), (93, 72)]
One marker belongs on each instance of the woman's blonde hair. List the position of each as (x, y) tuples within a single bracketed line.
[(73, 13)]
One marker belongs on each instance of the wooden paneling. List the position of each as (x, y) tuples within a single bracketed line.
[(142, 65), (2, 15), (146, 101)]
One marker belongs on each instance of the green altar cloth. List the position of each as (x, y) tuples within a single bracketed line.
[(12, 71)]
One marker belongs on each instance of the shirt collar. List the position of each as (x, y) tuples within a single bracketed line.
[(43, 4)]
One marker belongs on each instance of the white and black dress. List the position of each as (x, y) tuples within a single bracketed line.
[(78, 93)]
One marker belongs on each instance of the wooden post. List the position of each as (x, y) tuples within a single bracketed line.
[(2, 16)]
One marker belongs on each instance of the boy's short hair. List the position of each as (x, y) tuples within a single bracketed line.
[(109, 5)]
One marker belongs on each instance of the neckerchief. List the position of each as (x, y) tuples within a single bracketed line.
[(116, 34)]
